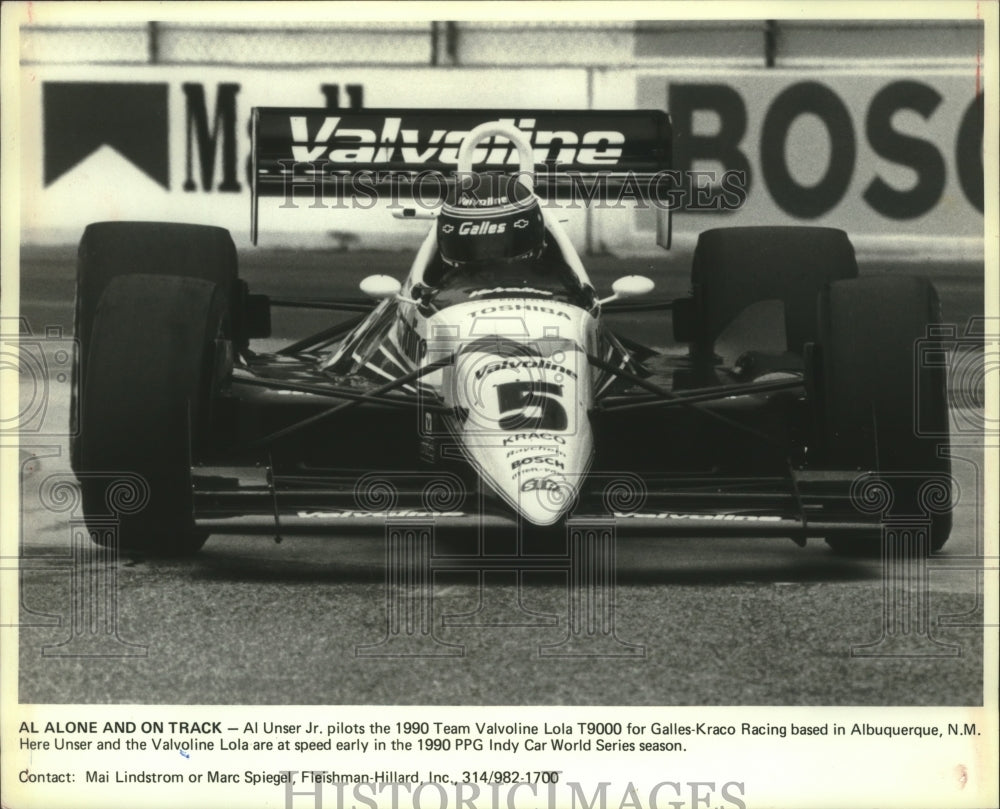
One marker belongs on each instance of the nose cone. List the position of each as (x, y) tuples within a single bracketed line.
[(521, 392), (543, 475), (524, 423)]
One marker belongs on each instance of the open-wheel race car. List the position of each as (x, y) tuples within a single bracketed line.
[(488, 387)]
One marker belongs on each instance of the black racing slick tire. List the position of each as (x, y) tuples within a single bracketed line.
[(884, 409), (109, 250), (156, 357), (733, 268)]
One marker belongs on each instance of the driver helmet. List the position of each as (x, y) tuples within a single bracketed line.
[(496, 221)]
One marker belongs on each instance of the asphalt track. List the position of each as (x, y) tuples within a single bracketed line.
[(700, 622)]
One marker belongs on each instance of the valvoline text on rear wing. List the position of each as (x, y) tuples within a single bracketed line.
[(392, 152)]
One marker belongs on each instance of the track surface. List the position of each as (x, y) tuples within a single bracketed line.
[(728, 622)]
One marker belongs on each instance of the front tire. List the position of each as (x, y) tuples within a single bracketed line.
[(148, 402), (109, 250), (882, 410)]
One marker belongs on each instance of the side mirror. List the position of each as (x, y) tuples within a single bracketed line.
[(380, 286), (629, 286)]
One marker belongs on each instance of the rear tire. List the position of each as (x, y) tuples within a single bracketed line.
[(873, 387), (147, 404), (109, 250)]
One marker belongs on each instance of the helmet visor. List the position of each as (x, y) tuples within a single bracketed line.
[(484, 235)]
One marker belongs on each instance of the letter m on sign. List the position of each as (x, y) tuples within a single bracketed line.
[(208, 143)]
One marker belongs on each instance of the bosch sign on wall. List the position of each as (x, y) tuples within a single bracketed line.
[(872, 151)]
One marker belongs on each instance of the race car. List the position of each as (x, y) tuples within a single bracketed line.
[(494, 386)]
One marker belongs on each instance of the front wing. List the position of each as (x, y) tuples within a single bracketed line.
[(251, 500)]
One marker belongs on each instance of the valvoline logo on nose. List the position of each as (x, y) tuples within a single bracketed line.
[(539, 363)]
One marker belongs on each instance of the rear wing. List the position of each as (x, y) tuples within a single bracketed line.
[(583, 155)]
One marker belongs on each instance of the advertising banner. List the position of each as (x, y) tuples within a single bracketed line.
[(892, 155), (173, 143)]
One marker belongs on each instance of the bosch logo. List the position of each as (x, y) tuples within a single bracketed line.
[(538, 459)]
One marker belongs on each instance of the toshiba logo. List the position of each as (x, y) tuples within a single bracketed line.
[(392, 142)]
